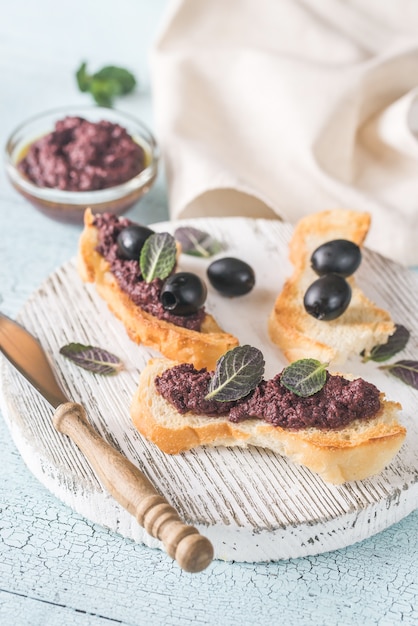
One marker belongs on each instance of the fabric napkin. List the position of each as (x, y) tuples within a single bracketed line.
[(278, 108)]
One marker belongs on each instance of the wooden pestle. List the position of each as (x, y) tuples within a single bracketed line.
[(132, 489)]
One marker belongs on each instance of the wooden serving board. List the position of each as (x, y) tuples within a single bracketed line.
[(252, 504)]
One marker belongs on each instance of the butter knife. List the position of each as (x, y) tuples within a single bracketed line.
[(121, 478)]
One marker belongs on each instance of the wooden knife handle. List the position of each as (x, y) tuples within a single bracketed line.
[(128, 485)]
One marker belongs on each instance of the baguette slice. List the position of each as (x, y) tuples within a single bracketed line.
[(360, 450), (299, 335), (189, 346)]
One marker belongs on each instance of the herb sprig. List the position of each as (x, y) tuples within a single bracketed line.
[(92, 358), (158, 256), (106, 84), (405, 370), (237, 373), (197, 242), (304, 377), (395, 344)]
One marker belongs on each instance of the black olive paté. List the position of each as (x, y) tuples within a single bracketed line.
[(128, 275), (338, 403)]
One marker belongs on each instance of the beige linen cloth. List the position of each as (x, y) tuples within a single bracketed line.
[(269, 108)]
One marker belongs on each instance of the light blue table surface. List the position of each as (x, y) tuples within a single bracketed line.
[(57, 568)]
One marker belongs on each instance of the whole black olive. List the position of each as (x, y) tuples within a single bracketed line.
[(328, 297), (131, 239), (183, 293), (231, 276), (339, 256)]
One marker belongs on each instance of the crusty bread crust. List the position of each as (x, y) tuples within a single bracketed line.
[(358, 451), (200, 348), (299, 335)]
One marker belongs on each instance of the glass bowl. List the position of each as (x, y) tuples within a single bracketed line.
[(69, 206)]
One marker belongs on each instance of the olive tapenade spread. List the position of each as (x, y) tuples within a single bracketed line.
[(129, 278), (338, 403), (79, 155)]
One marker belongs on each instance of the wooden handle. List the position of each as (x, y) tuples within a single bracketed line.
[(128, 485)]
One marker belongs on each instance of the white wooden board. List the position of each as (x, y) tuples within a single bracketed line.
[(252, 504)]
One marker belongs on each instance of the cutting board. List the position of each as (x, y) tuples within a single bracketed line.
[(252, 504)]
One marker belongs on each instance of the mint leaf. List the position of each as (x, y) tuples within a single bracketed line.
[(237, 373), (106, 84), (395, 344), (91, 358), (158, 256), (406, 371), (196, 242), (304, 377)]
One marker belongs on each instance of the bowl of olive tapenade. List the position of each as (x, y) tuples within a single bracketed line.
[(65, 160)]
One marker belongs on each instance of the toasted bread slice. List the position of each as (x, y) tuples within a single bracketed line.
[(202, 348), (299, 335), (355, 452)]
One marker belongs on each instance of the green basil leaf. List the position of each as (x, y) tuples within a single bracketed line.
[(158, 256), (237, 373), (196, 242), (395, 344), (91, 358), (406, 371), (304, 377)]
